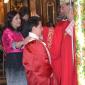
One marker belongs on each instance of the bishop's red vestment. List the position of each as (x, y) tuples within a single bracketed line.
[(61, 51), (56, 49), (69, 72)]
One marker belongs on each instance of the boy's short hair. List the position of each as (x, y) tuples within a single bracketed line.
[(34, 21)]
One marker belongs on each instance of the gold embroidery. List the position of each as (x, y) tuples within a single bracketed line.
[(50, 36)]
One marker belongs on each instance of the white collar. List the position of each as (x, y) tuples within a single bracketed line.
[(32, 35), (69, 28)]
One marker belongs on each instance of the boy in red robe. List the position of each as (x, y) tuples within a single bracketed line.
[(36, 57)]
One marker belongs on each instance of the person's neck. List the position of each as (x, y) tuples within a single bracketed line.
[(15, 28), (33, 35)]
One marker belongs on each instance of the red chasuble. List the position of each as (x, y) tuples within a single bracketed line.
[(62, 60), (69, 72), (36, 63), (56, 49)]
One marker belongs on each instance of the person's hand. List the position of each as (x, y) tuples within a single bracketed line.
[(19, 44), (26, 40)]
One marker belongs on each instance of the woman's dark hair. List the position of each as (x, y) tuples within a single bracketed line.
[(33, 21), (9, 18)]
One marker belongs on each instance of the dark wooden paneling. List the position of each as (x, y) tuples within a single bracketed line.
[(39, 7)]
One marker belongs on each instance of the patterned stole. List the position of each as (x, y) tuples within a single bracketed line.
[(50, 37)]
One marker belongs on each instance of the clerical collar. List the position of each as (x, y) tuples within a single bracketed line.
[(32, 35)]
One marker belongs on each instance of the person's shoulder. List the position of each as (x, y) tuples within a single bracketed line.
[(62, 22), (30, 44), (7, 31), (34, 45), (33, 42), (61, 25)]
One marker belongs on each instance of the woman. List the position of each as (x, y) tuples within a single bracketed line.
[(11, 38)]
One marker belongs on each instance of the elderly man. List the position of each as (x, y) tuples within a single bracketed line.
[(63, 49)]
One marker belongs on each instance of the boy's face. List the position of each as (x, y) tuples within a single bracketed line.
[(38, 30)]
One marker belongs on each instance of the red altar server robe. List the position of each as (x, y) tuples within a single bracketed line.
[(36, 63), (56, 49)]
